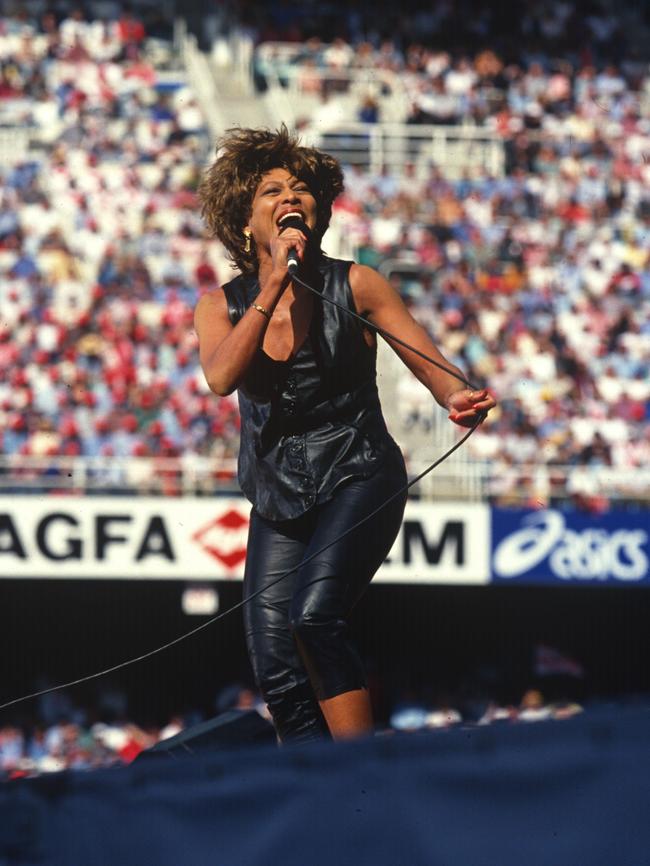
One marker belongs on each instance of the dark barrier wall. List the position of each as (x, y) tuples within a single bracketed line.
[(569, 793), (441, 638)]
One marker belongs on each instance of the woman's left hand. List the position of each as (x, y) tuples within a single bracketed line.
[(466, 406)]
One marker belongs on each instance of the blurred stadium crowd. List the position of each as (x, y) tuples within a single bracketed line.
[(62, 735), (102, 250), (68, 738), (537, 282)]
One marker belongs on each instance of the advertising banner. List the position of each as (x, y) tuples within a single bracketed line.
[(445, 542), (116, 537), (205, 539), (571, 548)]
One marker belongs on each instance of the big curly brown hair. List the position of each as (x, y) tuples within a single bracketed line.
[(228, 186)]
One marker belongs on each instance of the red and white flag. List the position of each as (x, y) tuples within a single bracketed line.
[(549, 662)]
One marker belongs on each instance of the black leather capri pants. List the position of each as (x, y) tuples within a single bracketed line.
[(296, 631)]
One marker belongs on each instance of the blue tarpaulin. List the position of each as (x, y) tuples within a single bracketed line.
[(568, 793)]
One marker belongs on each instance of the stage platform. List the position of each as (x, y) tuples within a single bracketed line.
[(567, 793)]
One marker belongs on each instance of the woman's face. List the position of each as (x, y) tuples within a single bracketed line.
[(279, 193)]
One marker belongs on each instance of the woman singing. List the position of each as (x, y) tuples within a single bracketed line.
[(315, 455)]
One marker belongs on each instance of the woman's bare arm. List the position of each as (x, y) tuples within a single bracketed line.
[(378, 301), (226, 351)]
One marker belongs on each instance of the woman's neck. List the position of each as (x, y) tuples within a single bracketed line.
[(308, 266)]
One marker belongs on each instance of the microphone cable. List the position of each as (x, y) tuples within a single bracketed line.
[(238, 605)]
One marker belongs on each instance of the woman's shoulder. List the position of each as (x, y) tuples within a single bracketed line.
[(241, 291), (370, 289), (363, 276), (232, 293), (210, 302)]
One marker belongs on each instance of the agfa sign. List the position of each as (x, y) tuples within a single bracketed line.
[(205, 539), (112, 537)]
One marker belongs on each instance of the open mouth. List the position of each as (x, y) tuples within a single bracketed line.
[(290, 215)]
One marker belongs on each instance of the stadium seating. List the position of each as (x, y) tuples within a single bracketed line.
[(534, 276)]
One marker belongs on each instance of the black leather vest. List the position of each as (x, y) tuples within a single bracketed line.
[(312, 422)]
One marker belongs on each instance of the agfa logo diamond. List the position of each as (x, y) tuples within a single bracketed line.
[(224, 538)]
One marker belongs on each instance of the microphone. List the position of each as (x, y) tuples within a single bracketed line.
[(292, 260), (293, 221)]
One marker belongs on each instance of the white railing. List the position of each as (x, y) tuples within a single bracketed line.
[(375, 146), (289, 72), (167, 476), (232, 54), (534, 485), (201, 78), (476, 481)]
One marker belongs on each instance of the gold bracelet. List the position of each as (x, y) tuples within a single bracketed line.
[(262, 310)]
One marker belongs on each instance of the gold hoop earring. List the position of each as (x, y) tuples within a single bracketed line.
[(247, 245)]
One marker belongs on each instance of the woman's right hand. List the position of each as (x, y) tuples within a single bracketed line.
[(466, 407), (288, 238)]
